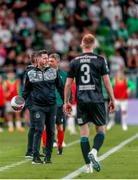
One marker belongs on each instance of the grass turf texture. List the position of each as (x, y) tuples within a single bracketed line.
[(122, 164)]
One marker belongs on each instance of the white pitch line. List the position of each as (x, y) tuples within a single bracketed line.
[(4, 168), (7, 167), (72, 143), (102, 157)]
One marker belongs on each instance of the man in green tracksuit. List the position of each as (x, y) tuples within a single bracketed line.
[(54, 60)]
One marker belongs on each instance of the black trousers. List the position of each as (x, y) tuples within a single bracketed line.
[(41, 116)]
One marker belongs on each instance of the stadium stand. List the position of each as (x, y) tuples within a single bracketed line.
[(58, 25)]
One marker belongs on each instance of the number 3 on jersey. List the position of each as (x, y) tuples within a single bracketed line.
[(85, 78)]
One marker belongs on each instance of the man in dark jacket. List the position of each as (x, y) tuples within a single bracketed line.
[(40, 84), (28, 104)]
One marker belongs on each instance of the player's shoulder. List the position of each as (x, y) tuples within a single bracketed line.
[(90, 55), (99, 57), (73, 60), (76, 60), (51, 70), (29, 67), (62, 72)]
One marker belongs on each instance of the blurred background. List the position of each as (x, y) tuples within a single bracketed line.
[(58, 25)]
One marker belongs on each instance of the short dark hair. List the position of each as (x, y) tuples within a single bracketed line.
[(36, 54), (33, 56), (55, 56), (43, 51)]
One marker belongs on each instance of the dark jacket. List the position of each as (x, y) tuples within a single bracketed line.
[(28, 102), (40, 86)]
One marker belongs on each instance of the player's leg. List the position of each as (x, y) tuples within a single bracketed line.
[(60, 129), (97, 144), (9, 116), (50, 129), (26, 116), (64, 127), (64, 121), (99, 119), (55, 139), (111, 122), (44, 140), (2, 118), (60, 138), (84, 136), (29, 153), (99, 137), (39, 120), (18, 122), (71, 120), (124, 111), (85, 146)]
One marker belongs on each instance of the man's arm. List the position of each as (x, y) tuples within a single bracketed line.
[(26, 88), (108, 86), (60, 86), (67, 91), (109, 89)]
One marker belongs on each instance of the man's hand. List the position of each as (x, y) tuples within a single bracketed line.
[(67, 108), (112, 106)]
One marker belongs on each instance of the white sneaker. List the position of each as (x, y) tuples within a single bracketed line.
[(94, 161), (89, 168), (55, 144), (124, 127)]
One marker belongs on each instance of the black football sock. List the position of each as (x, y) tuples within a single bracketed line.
[(85, 148), (98, 140)]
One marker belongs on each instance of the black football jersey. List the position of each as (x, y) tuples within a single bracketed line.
[(87, 69)]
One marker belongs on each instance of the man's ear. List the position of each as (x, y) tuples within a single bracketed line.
[(94, 46), (36, 61)]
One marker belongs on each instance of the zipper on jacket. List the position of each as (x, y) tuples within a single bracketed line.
[(42, 75)]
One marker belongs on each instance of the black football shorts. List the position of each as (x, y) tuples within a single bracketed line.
[(60, 115), (91, 112)]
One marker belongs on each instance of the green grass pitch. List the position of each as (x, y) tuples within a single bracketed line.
[(123, 164)]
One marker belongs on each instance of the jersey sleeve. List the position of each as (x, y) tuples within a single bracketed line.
[(104, 67), (71, 72), (60, 85)]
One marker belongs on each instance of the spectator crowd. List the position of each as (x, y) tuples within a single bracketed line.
[(58, 25)]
